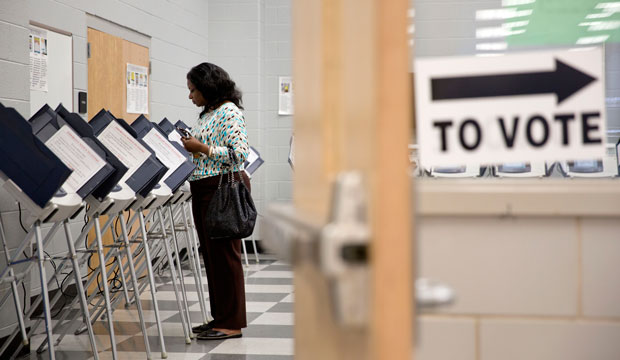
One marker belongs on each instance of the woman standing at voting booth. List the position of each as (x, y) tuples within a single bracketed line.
[(220, 127)]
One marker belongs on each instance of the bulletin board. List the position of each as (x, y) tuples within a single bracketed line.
[(111, 61), (55, 52)]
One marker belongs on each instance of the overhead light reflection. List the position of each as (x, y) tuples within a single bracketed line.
[(515, 24), (501, 14), (592, 39), (491, 46), (614, 6), (604, 26), (496, 32), (599, 15), (583, 48)]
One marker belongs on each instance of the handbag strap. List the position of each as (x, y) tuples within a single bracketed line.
[(233, 160)]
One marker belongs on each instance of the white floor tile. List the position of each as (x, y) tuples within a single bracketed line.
[(289, 299), (250, 346), (196, 306), (255, 346), (191, 280), (258, 306), (280, 289), (127, 355), (254, 267), (149, 315), (274, 319), (273, 274), (280, 262), (78, 342), (169, 295), (168, 328), (250, 306)]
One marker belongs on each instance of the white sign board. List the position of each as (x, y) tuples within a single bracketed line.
[(77, 155), (127, 149), (539, 106), (165, 152)]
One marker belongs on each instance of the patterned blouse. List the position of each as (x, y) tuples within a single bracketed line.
[(221, 128)]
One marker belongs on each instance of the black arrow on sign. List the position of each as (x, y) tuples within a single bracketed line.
[(564, 81)]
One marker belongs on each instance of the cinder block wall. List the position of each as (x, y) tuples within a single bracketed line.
[(526, 288), (251, 39), (179, 39), (235, 29)]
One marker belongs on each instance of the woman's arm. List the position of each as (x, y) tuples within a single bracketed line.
[(234, 136), (194, 145)]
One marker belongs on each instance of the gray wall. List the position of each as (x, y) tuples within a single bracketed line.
[(178, 37), (251, 39)]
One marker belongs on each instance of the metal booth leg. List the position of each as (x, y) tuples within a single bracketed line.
[(81, 293), (134, 280), (149, 268), (194, 261), (173, 274), (181, 277), (44, 293), (104, 280)]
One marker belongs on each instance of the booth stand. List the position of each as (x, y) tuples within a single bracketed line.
[(93, 169)]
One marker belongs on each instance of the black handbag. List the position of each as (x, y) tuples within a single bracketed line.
[(231, 213)]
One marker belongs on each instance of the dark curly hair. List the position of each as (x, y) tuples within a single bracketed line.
[(215, 85)]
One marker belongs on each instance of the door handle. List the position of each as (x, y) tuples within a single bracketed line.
[(339, 248)]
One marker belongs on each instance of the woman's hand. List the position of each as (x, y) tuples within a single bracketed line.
[(193, 145)]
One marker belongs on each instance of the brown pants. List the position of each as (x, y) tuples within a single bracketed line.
[(222, 260)]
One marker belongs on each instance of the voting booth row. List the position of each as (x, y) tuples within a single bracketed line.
[(607, 166), (57, 165)]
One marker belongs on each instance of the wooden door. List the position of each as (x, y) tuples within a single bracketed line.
[(107, 66), (107, 89), (353, 112)]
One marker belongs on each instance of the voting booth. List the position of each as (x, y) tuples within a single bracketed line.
[(177, 159), (180, 208), (80, 153), (174, 135), (19, 150), (606, 166), (172, 154), (522, 169), (91, 170), (145, 170), (35, 185), (107, 167)]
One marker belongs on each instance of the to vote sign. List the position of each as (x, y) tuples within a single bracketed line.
[(540, 106)]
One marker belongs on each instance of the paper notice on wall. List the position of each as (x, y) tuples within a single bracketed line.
[(125, 147), (77, 155), (137, 89), (166, 153), (38, 59), (285, 95)]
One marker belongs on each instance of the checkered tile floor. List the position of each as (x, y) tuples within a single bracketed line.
[(269, 335)]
